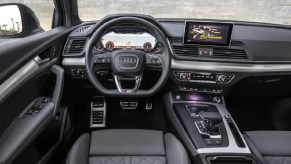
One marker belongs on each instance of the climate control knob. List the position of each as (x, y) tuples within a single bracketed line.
[(222, 78), (184, 76)]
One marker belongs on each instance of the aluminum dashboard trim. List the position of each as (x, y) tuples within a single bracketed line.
[(74, 61), (229, 67), (207, 66)]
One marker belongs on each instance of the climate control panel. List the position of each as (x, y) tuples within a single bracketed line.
[(207, 78)]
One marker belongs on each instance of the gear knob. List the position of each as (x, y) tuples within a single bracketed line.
[(211, 119)]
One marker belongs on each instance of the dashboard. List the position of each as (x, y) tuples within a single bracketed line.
[(207, 57)]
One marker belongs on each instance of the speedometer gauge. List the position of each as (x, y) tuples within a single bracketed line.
[(109, 45)]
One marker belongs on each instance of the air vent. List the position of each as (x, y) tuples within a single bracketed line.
[(84, 28), (229, 53), (77, 46), (236, 43), (176, 40), (185, 50), (218, 52)]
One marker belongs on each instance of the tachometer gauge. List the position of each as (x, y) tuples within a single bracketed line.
[(109, 45), (147, 46)]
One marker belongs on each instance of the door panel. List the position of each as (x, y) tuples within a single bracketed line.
[(28, 71)]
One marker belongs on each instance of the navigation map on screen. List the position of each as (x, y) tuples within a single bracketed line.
[(208, 33)]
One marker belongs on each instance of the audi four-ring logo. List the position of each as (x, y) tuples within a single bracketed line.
[(128, 60)]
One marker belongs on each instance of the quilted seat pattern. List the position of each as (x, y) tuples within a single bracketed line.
[(277, 160), (127, 160)]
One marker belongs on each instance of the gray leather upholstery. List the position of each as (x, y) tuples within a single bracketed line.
[(175, 151), (80, 151), (128, 160), (278, 160), (127, 142), (273, 146), (127, 146)]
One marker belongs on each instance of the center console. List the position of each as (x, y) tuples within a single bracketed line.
[(207, 128)]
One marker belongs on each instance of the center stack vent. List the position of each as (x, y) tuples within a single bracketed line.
[(236, 51)]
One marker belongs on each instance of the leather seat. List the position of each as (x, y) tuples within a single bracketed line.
[(129, 146), (272, 147)]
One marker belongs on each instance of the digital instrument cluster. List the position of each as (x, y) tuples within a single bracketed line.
[(128, 41)]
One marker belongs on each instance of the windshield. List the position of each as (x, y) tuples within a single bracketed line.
[(267, 11)]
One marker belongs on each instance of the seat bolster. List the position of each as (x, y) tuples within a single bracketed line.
[(254, 150), (271, 143), (175, 151), (127, 142), (79, 153)]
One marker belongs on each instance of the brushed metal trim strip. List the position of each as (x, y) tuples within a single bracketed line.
[(74, 61), (207, 66), (229, 67), (8, 86)]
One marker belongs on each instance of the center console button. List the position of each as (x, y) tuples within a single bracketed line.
[(208, 141), (216, 99), (216, 141)]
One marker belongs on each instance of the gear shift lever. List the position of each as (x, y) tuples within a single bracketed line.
[(211, 120)]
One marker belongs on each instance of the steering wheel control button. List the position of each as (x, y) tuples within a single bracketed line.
[(103, 59), (153, 60)]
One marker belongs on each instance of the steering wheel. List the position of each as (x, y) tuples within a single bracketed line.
[(129, 64)]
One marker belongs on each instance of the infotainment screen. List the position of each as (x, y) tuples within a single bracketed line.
[(208, 33)]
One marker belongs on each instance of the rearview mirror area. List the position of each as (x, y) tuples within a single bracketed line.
[(10, 20)]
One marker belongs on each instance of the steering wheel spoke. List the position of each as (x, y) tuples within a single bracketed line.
[(118, 81)]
